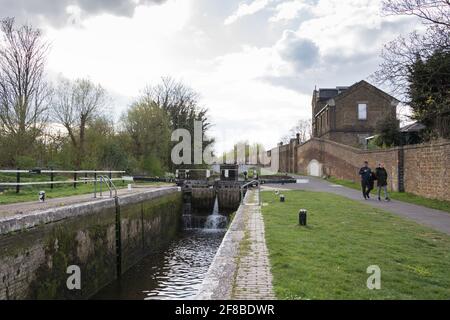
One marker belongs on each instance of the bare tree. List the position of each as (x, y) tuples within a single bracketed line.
[(75, 105), (302, 128), (432, 12), (24, 93), (401, 54)]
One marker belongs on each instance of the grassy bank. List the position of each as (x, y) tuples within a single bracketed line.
[(28, 193), (401, 196), (329, 258)]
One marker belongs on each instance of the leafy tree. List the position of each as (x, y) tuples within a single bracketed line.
[(388, 132), (181, 103), (149, 130), (401, 54), (112, 156), (243, 152), (429, 93), (416, 66), (102, 149)]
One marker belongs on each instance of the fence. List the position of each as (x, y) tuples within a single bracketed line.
[(76, 177)]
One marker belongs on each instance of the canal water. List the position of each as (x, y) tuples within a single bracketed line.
[(176, 273)]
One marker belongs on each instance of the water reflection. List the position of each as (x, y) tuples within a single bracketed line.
[(176, 273)]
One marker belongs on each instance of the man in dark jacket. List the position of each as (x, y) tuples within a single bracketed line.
[(366, 175), (382, 176)]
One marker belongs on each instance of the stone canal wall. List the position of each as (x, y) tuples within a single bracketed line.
[(37, 248)]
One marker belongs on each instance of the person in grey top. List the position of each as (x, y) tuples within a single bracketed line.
[(382, 176)]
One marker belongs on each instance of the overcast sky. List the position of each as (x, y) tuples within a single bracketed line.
[(254, 62)]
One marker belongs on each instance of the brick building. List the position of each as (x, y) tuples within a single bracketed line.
[(348, 115), (342, 118)]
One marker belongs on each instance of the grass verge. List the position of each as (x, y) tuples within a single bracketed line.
[(328, 259), (401, 196)]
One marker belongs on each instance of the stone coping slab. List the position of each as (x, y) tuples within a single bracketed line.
[(33, 218)]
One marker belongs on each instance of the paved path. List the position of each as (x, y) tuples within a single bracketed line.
[(253, 279), (7, 210), (436, 219)]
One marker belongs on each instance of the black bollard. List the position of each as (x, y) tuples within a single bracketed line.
[(41, 196), (302, 217), (282, 199)]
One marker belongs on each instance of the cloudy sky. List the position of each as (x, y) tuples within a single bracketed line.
[(254, 62)]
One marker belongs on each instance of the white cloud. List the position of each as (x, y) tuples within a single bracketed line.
[(256, 79), (338, 44), (303, 53), (289, 10), (123, 53), (245, 9), (242, 104), (339, 26)]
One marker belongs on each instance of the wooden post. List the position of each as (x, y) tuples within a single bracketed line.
[(75, 180), (95, 183), (51, 177), (18, 180)]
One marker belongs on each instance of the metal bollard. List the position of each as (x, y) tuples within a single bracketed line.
[(302, 214), (41, 196)]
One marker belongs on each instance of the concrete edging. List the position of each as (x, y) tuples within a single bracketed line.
[(25, 221)]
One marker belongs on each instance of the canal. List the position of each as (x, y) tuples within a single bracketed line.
[(176, 273)]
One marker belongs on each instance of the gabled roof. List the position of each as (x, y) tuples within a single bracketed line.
[(363, 83), (413, 127), (325, 94)]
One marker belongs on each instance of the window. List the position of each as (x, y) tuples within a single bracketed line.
[(362, 111)]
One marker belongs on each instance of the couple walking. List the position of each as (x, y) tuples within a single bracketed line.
[(368, 178)]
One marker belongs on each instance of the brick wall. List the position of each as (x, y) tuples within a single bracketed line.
[(427, 170), (426, 166)]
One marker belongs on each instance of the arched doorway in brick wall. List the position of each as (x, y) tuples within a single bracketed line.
[(315, 168)]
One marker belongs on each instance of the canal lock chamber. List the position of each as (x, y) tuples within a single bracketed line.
[(177, 271), (207, 206)]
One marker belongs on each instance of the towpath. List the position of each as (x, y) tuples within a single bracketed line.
[(253, 278), (7, 210)]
